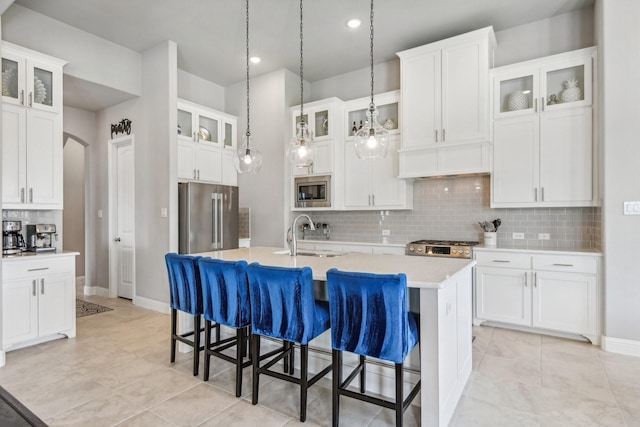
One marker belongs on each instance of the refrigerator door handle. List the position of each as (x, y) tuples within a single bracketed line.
[(221, 222), (216, 222)]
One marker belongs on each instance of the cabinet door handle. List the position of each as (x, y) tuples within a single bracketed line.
[(194, 135), (198, 173), (444, 137), (436, 131), (194, 174), (42, 286), (535, 194), (38, 269), (501, 260), (535, 280), (31, 195), (542, 103), (22, 97), (563, 265), (542, 194), (535, 105), (373, 199), (525, 280), (22, 195), (369, 202), (30, 99), (33, 288)]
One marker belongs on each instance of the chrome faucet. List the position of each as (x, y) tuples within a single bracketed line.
[(294, 232)]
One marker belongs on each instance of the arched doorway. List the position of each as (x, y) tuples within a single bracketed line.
[(74, 224)]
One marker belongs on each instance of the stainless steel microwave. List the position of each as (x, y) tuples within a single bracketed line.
[(313, 191)]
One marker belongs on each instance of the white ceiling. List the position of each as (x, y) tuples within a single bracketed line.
[(210, 34)]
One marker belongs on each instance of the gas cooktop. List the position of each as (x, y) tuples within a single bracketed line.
[(441, 248)]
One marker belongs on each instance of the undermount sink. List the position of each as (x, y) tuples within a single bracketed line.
[(327, 254)]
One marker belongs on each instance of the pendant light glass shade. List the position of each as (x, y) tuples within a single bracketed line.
[(372, 140), (247, 158), (300, 151)]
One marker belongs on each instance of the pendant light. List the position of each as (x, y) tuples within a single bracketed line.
[(372, 140), (247, 159), (300, 150)]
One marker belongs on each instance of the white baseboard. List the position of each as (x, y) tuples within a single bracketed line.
[(96, 290), (151, 304), (622, 346), (79, 280)]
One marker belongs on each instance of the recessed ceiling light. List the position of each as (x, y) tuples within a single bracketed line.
[(354, 23), (255, 59)]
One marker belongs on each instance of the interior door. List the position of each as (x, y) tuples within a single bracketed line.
[(122, 214)]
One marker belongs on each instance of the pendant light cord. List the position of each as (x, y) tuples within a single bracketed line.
[(371, 105), (247, 42), (301, 70)]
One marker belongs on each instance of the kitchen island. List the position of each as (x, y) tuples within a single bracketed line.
[(445, 313)]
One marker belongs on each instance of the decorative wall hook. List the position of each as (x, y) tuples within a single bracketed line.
[(123, 127)]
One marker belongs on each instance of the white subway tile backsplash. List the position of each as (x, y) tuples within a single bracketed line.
[(450, 208)]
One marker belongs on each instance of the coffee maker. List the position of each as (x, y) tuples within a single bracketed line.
[(12, 240), (39, 237)]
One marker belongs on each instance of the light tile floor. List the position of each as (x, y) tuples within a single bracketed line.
[(117, 372)]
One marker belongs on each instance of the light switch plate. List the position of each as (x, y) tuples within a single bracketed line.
[(518, 236), (632, 208), (544, 236), (386, 232), (163, 212)]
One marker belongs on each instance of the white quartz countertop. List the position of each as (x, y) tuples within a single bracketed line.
[(422, 272), (38, 255)]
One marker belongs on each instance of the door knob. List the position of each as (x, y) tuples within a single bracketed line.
[(117, 239)]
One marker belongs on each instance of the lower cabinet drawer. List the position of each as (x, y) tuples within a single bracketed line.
[(503, 259), (569, 264)]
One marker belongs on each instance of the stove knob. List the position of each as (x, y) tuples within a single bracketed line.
[(420, 249), (467, 252), (453, 251)]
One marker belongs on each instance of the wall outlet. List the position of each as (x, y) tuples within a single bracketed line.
[(518, 236), (386, 232), (631, 208), (544, 236)]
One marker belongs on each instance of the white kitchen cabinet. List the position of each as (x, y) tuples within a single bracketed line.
[(207, 141), (543, 152), (324, 119), (374, 184), (31, 79), (38, 299), (32, 147), (445, 104), (553, 292)]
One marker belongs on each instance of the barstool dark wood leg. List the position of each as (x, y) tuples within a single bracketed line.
[(292, 353), (174, 319), (304, 358), (255, 351), (363, 374), (285, 362), (196, 345), (240, 346), (207, 343), (336, 359), (399, 394)]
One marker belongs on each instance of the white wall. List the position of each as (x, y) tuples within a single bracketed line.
[(270, 99), (90, 58), (201, 91), (619, 32), (357, 84)]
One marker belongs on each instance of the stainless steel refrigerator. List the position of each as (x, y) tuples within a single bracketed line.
[(208, 217)]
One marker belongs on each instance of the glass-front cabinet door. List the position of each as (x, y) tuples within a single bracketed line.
[(44, 86), (515, 93), (387, 106), (207, 129), (229, 135), (319, 121), (185, 124), (566, 84), (13, 79)]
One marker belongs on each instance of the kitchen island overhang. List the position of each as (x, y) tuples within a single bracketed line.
[(445, 287)]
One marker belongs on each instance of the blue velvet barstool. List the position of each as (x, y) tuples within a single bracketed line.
[(283, 307), (186, 296), (370, 317), (225, 292)]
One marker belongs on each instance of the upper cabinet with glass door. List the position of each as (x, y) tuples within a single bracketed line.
[(387, 106), (555, 83), (198, 124), (31, 79), (319, 116)]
